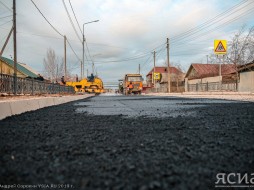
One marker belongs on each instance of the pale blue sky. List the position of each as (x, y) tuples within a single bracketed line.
[(128, 30)]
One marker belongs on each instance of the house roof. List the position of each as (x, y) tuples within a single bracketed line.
[(246, 67), (20, 68), (210, 70), (165, 70)]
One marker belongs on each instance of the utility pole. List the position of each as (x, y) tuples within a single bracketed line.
[(83, 56), (65, 65), (14, 48), (6, 42), (168, 65), (81, 70), (138, 68), (206, 59), (154, 56), (93, 68), (56, 72)]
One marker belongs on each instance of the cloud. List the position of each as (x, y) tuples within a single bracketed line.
[(127, 28)]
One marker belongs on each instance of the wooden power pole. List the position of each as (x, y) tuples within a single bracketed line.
[(168, 65), (154, 56), (14, 48), (81, 66), (138, 68), (65, 65), (6, 41)]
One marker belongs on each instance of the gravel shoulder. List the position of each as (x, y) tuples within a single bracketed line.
[(58, 145)]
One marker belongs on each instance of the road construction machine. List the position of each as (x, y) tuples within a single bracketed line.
[(132, 84), (91, 84), (94, 85), (78, 86)]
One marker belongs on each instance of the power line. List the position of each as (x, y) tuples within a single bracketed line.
[(6, 22), (213, 29), (46, 19), (5, 16), (73, 50), (75, 16), (72, 24), (207, 22), (6, 6), (56, 30), (207, 27)]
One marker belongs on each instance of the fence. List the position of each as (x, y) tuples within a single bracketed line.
[(212, 86), (31, 86), (163, 88)]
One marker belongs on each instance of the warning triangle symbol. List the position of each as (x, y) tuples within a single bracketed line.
[(220, 47)]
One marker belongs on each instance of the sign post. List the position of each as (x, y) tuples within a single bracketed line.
[(220, 49)]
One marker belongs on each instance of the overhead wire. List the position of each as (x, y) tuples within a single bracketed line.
[(197, 32), (56, 30), (73, 49), (72, 24), (6, 16), (207, 22), (75, 16), (213, 29), (6, 6), (141, 55), (76, 30), (6, 22), (46, 19)]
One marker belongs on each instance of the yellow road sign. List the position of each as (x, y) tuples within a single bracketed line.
[(220, 46), (156, 76)]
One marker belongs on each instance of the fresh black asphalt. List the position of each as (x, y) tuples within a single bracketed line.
[(134, 142)]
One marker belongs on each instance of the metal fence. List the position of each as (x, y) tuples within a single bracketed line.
[(212, 86), (31, 86)]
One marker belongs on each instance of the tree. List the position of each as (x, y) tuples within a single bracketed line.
[(53, 67), (241, 48), (50, 64)]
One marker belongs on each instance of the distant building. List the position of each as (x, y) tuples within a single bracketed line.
[(23, 71), (209, 73), (176, 78), (246, 75), (201, 71)]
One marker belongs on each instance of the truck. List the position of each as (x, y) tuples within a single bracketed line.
[(132, 84)]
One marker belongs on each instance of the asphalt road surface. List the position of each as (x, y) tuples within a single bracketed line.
[(128, 142)]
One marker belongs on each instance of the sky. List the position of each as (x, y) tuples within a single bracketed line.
[(127, 33)]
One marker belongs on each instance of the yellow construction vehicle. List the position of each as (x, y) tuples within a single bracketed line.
[(78, 86), (94, 85), (133, 83), (91, 84)]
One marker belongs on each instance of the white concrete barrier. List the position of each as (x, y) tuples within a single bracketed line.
[(18, 106)]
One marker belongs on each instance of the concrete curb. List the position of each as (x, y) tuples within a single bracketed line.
[(14, 107), (202, 93)]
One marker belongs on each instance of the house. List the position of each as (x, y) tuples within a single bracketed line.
[(23, 71), (199, 74), (246, 75), (176, 78)]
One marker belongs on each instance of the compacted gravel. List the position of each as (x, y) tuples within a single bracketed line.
[(77, 145)]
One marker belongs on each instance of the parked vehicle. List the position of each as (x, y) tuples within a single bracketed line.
[(132, 84)]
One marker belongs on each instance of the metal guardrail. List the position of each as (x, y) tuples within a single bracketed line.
[(32, 86), (211, 86)]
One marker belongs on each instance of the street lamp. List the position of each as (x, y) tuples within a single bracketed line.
[(83, 43)]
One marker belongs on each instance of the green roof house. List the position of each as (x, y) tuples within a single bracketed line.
[(7, 67)]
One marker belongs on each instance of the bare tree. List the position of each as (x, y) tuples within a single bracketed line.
[(241, 47), (50, 64)]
